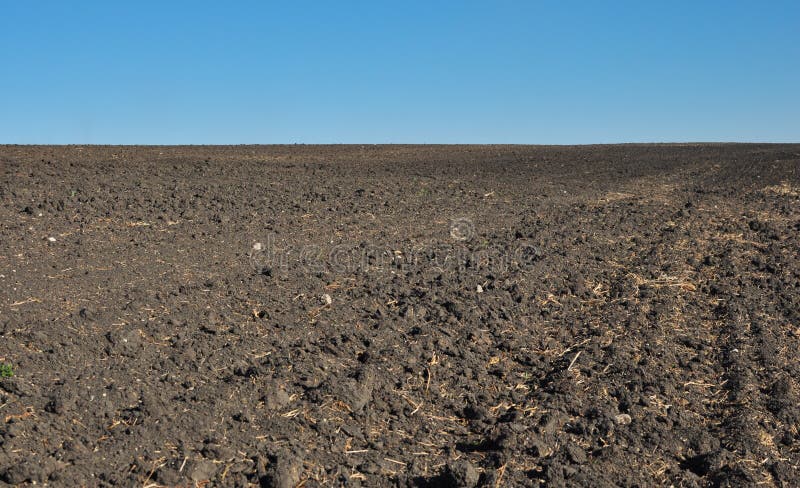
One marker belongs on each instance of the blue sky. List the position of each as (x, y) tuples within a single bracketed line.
[(538, 72)]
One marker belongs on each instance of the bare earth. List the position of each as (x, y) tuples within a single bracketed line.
[(400, 315)]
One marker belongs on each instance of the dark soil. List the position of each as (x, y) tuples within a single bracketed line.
[(400, 315)]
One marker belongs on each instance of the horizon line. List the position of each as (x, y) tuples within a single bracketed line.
[(639, 143)]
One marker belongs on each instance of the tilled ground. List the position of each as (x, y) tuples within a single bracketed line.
[(400, 315)]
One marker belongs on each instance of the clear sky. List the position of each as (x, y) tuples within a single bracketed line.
[(491, 71)]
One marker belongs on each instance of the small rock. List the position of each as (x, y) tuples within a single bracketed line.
[(258, 246), (479, 289), (327, 299), (622, 419), (51, 239)]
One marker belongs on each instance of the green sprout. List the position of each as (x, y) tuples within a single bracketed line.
[(6, 370)]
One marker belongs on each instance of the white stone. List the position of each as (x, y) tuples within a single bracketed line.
[(623, 419)]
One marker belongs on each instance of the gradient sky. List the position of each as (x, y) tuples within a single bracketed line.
[(539, 72)]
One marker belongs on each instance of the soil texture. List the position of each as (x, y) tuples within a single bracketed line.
[(452, 316)]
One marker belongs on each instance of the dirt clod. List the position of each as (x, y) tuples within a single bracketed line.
[(284, 472), (202, 470), (461, 473)]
